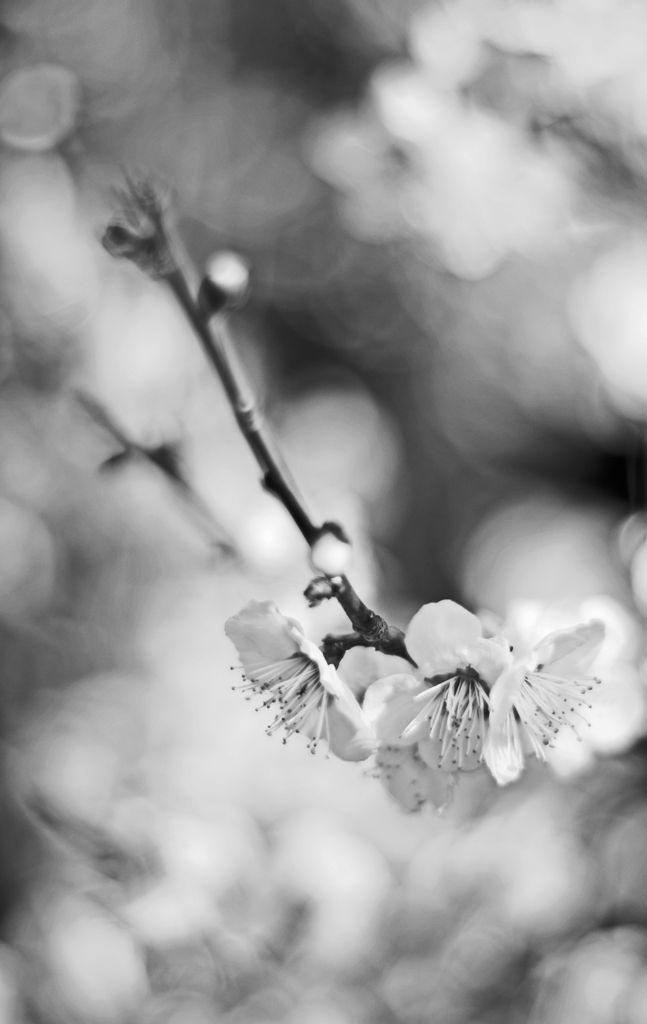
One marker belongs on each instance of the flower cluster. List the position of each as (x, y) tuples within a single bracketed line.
[(471, 701)]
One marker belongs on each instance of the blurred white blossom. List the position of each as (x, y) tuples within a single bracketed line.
[(609, 313), (419, 160), (39, 106)]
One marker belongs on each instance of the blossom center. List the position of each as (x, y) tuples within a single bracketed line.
[(453, 720)]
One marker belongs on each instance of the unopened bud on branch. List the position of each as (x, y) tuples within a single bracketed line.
[(225, 283), (331, 553)]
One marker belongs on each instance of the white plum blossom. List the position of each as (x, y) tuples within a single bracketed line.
[(543, 691), (442, 711), (616, 717), (472, 700), (289, 671)]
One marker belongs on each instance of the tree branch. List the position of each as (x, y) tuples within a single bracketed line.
[(140, 233), (371, 630), (166, 458)]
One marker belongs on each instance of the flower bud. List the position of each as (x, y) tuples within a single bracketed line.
[(225, 282), (331, 555)]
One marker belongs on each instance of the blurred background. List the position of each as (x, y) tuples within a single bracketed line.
[(444, 209)]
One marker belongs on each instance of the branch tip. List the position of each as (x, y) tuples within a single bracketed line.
[(137, 232)]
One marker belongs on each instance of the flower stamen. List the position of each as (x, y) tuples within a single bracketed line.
[(546, 703), (457, 710), (295, 685)]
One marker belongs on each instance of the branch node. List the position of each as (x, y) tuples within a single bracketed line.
[(334, 647)]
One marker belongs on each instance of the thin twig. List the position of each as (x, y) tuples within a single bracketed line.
[(165, 459), (214, 340), (334, 646)]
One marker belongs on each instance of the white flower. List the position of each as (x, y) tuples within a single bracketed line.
[(288, 670), (543, 691), (441, 712), (468, 702), (443, 708)]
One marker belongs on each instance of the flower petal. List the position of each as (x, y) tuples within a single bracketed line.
[(522, 623), (490, 657), (329, 678), (437, 632), (569, 652), (350, 734), (502, 752), (504, 693), (262, 635), (390, 707), (411, 781)]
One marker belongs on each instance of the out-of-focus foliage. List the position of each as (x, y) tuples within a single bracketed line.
[(443, 209)]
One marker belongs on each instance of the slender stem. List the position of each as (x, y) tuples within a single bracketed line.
[(250, 419)]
